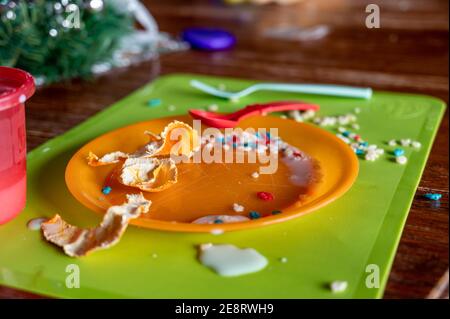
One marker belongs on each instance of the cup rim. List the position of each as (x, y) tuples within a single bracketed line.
[(22, 84)]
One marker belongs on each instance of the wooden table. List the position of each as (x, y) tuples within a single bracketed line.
[(409, 53)]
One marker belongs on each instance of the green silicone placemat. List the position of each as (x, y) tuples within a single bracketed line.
[(335, 243)]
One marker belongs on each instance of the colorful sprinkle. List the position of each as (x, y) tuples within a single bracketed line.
[(106, 190), (398, 152), (433, 196), (254, 215), (276, 212), (265, 196), (218, 221), (154, 102), (255, 175)]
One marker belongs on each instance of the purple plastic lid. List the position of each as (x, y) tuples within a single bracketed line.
[(209, 39)]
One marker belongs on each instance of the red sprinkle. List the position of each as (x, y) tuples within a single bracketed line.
[(297, 154), (265, 196)]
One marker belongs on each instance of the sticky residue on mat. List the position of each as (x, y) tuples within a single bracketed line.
[(230, 261)]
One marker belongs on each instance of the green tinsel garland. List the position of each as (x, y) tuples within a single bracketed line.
[(35, 37)]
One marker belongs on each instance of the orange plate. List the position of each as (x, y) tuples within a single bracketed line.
[(207, 189)]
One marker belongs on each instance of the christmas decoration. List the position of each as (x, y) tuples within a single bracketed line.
[(62, 39)]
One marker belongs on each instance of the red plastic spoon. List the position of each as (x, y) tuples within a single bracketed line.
[(221, 120)]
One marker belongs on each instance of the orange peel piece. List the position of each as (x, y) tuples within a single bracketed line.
[(77, 242), (110, 158), (178, 139), (149, 174)]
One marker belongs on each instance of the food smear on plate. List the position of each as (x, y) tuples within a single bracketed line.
[(231, 261), (220, 219), (77, 242)]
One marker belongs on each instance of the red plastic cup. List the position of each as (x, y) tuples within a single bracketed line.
[(16, 86)]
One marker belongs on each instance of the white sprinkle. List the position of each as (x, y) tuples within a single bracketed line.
[(355, 126), (405, 142), (372, 147), (401, 160), (255, 175), (226, 147), (309, 114), (172, 108), (238, 208), (213, 108), (338, 286), (416, 144), (370, 157), (392, 143), (22, 98), (45, 150), (234, 99), (357, 110), (342, 129), (283, 260)]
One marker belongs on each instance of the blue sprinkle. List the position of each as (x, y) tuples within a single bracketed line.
[(153, 102), (365, 144), (254, 215), (346, 133), (245, 144), (106, 190), (257, 134), (234, 145), (276, 212), (218, 221), (398, 152), (433, 196), (359, 151)]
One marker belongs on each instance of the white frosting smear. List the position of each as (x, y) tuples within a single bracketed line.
[(229, 260)]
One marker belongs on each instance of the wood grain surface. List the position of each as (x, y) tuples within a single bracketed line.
[(409, 53)]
